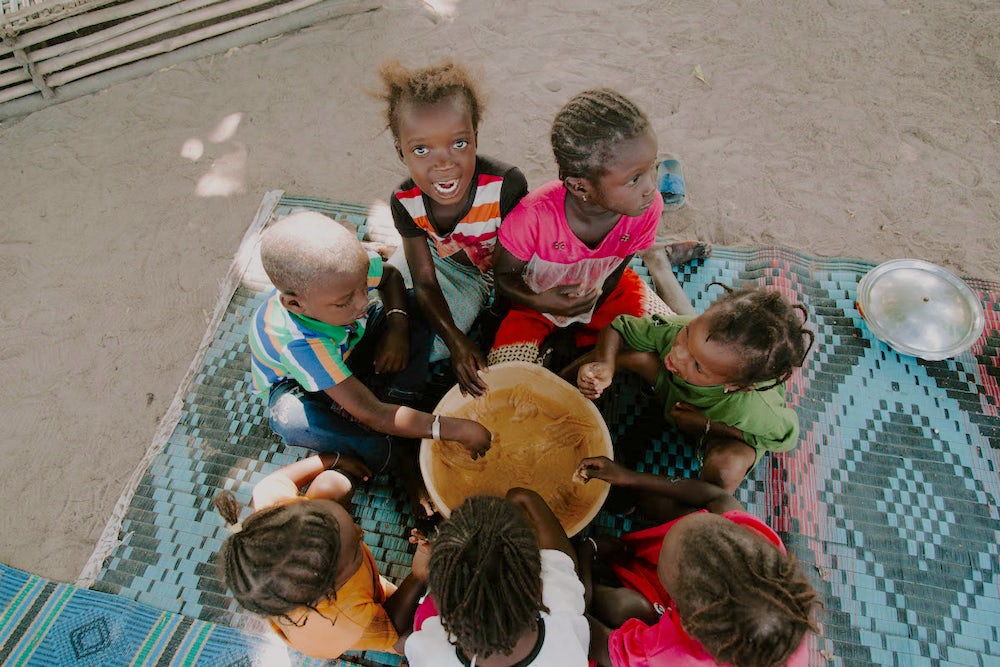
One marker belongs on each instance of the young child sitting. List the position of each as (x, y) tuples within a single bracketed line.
[(715, 585), (318, 331), (720, 375), (503, 580), (299, 560), (564, 250), (450, 208)]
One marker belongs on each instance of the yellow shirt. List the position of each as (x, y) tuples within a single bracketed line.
[(355, 621)]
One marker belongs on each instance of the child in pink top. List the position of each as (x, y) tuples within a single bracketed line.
[(564, 249), (714, 585)]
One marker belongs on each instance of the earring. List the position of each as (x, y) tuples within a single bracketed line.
[(584, 196)]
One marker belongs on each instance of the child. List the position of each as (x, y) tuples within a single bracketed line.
[(564, 250), (727, 590), (312, 337), (299, 560), (503, 580), (449, 210), (720, 375)]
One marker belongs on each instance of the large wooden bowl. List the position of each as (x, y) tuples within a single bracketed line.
[(542, 427)]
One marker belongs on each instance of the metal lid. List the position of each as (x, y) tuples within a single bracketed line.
[(920, 309)]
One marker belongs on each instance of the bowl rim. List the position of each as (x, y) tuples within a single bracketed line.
[(456, 393), (863, 304)]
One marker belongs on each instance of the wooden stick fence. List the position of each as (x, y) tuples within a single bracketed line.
[(51, 52)]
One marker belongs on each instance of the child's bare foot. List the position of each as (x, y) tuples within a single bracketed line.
[(421, 504), (407, 468), (682, 252)]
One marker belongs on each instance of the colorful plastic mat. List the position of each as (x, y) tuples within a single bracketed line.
[(890, 501)]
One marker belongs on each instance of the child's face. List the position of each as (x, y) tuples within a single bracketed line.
[(337, 298), (437, 143), (700, 361), (628, 184)]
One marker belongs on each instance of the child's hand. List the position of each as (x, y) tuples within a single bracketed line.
[(593, 378), (601, 467), (353, 467), (475, 437), (422, 559), (467, 360), (393, 350), (566, 300), (689, 419)]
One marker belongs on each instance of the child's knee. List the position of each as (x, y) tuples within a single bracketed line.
[(726, 467), (331, 484)]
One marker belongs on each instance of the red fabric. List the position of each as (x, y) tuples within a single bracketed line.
[(526, 325), (426, 609)]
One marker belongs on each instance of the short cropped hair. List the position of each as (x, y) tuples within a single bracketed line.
[(303, 247)]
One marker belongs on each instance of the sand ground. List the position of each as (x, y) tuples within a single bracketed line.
[(847, 127)]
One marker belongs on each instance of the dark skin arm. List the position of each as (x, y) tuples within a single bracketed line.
[(406, 422), (560, 300), (404, 602), (324, 474), (597, 368), (466, 357), (692, 493), (393, 350), (727, 455), (547, 527)]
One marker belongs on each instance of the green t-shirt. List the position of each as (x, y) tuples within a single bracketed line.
[(767, 424)]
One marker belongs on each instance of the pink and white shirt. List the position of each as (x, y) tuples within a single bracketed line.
[(537, 232)]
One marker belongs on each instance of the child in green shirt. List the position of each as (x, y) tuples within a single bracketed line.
[(720, 375)]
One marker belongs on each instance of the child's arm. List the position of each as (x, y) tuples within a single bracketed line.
[(559, 300), (727, 455), (550, 532), (357, 399), (402, 606), (693, 493), (393, 351), (466, 357), (596, 376), (316, 472)]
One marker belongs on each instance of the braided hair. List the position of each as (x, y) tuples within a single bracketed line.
[(587, 128), (748, 603), (283, 557), (769, 332), (427, 86), (485, 574)]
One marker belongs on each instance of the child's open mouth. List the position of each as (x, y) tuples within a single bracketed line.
[(446, 188)]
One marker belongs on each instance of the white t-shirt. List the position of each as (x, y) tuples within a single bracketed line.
[(564, 636)]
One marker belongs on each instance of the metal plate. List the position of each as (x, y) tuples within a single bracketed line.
[(920, 309)]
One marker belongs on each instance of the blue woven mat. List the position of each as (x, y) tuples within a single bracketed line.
[(891, 499)]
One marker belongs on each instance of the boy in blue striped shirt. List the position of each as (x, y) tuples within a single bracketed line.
[(320, 339)]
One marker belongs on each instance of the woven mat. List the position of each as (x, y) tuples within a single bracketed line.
[(890, 501)]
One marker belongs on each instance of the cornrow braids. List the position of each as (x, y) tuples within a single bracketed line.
[(587, 128), (485, 574), (282, 558), (425, 87), (769, 331), (748, 604)]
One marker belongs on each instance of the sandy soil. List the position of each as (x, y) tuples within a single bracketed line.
[(850, 128)]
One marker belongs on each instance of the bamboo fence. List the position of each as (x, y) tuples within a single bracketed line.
[(53, 51)]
